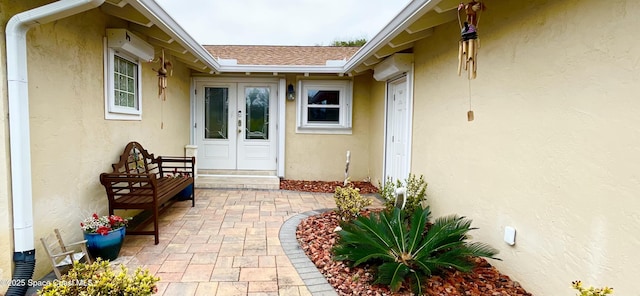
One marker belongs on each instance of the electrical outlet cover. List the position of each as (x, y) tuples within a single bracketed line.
[(510, 235)]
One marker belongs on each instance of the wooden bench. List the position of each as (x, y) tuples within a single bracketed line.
[(141, 181)]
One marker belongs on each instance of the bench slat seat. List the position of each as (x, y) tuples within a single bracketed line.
[(141, 181)]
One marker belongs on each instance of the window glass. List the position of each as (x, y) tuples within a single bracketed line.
[(323, 97), (125, 77), (324, 115)]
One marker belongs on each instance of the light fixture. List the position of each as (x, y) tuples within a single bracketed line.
[(291, 92)]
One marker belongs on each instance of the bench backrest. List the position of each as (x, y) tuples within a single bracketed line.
[(135, 160)]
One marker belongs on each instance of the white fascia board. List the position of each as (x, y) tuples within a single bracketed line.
[(410, 13), (166, 23), (281, 69)]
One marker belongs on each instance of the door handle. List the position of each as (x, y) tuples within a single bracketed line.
[(239, 121)]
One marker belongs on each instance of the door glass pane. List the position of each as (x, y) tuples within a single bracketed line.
[(216, 110), (257, 117)]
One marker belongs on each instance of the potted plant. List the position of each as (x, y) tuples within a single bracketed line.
[(186, 193), (104, 235)]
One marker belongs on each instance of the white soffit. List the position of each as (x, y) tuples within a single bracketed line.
[(401, 32), (160, 18), (413, 23)]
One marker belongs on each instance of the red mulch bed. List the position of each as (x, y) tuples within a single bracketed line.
[(317, 237), (324, 186)]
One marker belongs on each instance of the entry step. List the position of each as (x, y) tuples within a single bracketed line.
[(238, 181), (235, 172)]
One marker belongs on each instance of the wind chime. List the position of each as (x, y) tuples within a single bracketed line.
[(166, 69), (469, 43)]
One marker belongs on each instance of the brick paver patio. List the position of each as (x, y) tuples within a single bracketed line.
[(229, 244)]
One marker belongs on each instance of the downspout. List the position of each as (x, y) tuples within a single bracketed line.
[(19, 133)]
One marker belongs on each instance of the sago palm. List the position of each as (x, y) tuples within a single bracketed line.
[(406, 251)]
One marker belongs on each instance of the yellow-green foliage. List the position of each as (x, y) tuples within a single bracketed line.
[(416, 193), (388, 193), (349, 202), (591, 291), (99, 278)]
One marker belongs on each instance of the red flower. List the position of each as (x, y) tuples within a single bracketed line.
[(102, 224), (104, 230), (113, 219)]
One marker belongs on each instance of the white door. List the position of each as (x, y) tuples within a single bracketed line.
[(233, 131), (397, 133)]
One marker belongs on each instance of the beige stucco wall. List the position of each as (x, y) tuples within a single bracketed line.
[(323, 156), (553, 150), (377, 130), (71, 142)]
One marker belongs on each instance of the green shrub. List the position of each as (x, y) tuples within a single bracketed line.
[(99, 278), (349, 202), (388, 193), (591, 291), (416, 193), (404, 251)]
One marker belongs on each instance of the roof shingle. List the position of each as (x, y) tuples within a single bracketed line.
[(281, 55)]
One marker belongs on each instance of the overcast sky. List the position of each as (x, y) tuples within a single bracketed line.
[(281, 22)]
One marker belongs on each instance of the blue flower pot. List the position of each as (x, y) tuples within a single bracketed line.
[(185, 194), (105, 246)]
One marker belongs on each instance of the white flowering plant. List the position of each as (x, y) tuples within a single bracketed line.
[(102, 224)]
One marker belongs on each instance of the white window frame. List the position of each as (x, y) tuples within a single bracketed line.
[(343, 126), (111, 111)]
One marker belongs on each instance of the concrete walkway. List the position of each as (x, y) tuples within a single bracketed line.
[(229, 244)]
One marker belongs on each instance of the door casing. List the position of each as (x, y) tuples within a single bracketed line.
[(397, 143)]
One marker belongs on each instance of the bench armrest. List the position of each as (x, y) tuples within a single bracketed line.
[(120, 184), (176, 158), (176, 166)]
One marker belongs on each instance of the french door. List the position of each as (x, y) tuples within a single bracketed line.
[(235, 125)]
